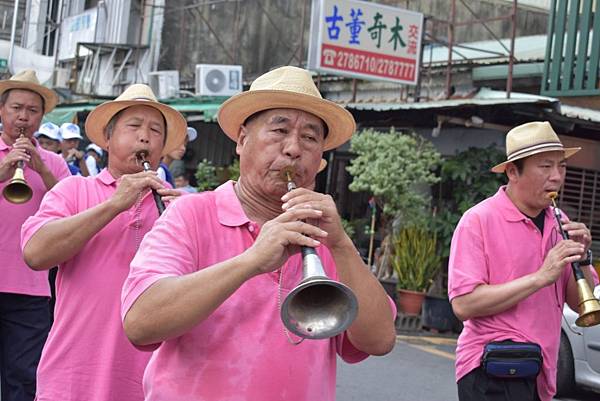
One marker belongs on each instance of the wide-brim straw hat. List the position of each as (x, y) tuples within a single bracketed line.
[(136, 95), (530, 139), (27, 80), (287, 88)]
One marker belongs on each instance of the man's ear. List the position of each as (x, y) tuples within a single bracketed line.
[(512, 173), (242, 137)]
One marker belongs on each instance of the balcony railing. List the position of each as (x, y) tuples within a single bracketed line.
[(573, 49)]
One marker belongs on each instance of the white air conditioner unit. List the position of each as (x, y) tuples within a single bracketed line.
[(164, 84), (61, 77), (218, 79)]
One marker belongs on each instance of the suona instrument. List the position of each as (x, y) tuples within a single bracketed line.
[(317, 307), (589, 306), (141, 155), (17, 190)]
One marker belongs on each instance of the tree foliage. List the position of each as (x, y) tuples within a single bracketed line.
[(397, 169), (467, 180), (206, 176)]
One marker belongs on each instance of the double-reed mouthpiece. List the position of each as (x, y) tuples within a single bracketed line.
[(141, 156), (287, 174)]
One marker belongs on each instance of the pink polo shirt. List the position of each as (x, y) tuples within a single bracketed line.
[(87, 355), (17, 277), (495, 243), (240, 352)]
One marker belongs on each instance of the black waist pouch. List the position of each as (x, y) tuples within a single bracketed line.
[(510, 359)]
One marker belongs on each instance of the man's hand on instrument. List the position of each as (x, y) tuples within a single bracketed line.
[(9, 163), (279, 238), (169, 194), (330, 221), (74, 153), (130, 186), (578, 232), (561, 255), (35, 161)]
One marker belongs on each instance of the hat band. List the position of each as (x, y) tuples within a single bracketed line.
[(540, 146)]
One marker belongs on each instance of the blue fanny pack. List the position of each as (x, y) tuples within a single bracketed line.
[(510, 359)]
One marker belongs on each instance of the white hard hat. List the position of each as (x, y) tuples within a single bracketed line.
[(95, 148), (191, 133), (49, 130), (70, 131)]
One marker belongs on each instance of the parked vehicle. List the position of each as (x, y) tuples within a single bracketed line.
[(579, 354)]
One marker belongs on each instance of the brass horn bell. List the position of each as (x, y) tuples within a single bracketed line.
[(17, 191), (318, 307)]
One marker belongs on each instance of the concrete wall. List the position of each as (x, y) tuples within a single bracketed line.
[(261, 34)]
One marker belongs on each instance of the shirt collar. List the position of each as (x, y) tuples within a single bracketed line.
[(229, 209), (106, 177), (507, 208)]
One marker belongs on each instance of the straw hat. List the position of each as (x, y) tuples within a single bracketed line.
[(286, 88), (530, 139), (27, 79), (136, 95)]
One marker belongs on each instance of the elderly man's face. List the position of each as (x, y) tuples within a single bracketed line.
[(137, 128), (22, 109), (278, 138), (542, 173)]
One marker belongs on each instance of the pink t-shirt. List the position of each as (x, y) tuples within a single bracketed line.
[(240, 352), (87, 355), (495, 243), (17, 277)]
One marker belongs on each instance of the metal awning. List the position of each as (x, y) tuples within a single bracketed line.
[(207, 109), (484, 97)]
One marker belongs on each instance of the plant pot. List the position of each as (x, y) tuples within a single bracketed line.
[(437, 314), (409, 302), (389, 285)]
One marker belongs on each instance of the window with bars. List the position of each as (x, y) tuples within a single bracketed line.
[(580, 199)]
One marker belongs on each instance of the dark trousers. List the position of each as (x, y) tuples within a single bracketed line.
[(24, 326), (478, 386)]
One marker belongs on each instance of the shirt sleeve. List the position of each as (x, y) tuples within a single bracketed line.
[(57, 203), (167, 250), (467, 267)]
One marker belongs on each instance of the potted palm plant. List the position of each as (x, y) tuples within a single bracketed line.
[(416, 262)]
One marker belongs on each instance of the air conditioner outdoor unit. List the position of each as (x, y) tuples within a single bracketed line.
[(218, 79), (164, 84), (61, 77)]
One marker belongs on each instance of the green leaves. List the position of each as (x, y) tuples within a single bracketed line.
[(206, 176), (466, 180), (415, 259), (397, 168)]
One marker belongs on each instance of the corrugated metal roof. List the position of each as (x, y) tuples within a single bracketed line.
[(580, 113), (527, 48), (484, 97)]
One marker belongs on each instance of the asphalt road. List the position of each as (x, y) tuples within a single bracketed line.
[(418, 369)]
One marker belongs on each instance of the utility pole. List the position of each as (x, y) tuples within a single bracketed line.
[(13, 33)]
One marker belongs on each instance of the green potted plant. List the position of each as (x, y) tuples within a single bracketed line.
[(416, 262), (397, 169)]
